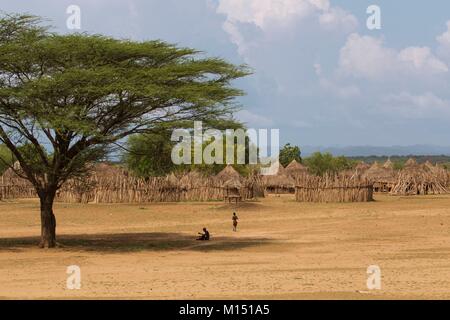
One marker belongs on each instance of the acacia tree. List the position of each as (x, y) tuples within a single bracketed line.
[(68, 98)]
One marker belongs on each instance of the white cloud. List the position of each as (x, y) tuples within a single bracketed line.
[(422, 59), (365, 56), (444, 43), (254, 119), (444, 39), (264, 12), (336, 18), (269, 15), (426, 105), (368, 57)]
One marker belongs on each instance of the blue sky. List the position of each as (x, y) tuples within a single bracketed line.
[(321, 76)]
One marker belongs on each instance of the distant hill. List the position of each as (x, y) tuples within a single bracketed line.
[(367, 151)]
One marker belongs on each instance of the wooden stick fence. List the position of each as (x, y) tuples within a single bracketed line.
[(333, 189), (124, 189)]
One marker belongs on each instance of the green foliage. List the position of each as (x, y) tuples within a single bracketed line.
[(70, 97), (289, 153), (321, 163), (150, 154), (6, 158), (441, 159), (399, 164)]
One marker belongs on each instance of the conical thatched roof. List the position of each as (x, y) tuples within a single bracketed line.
[(375, 165), (280, 169), (296, 169), (228, 173), (378, 173), (172, 180), (411, 162), (9, 174), (279, 181), (388, 164), (428, 164), (275, 168), (362, 166)]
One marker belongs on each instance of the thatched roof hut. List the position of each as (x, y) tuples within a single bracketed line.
[(388, 164), (416, 179), (357, 171), (228, 173), (14, 187), (441, 174), (382, 177), (279, 184), (411, 163), (362, 166), (295, 169)]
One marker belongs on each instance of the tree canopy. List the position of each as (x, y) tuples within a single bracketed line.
[(322, 163), (7, 158), (71, 97), (289, 153), (150, 154)]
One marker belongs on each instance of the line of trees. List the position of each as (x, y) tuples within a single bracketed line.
[(150, 155)]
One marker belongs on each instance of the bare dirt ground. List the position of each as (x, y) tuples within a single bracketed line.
[(282, 250)]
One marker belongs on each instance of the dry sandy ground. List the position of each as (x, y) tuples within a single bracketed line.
[(282, 250)]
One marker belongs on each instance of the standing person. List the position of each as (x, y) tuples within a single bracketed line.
[(235, 221)]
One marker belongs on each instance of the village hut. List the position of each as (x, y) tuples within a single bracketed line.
[(388, 164), (278, 181), (102, 182), (253, 186), (279, 184), (13, 186), (295, 169), (232, 189), (362, 167), (411, 163), (228, 173), (441, 174), (416, 179), (382, 177)]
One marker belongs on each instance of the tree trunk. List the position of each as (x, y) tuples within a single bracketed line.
[(48, 220)]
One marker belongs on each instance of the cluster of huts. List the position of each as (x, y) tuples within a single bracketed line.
[(112, 184), (412, 179)]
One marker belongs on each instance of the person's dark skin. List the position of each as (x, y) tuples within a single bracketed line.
[(235, 221), (204, 235)]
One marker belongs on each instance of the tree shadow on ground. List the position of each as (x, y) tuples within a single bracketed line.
[(133, 242)]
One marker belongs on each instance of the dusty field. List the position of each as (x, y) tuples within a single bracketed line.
[(283, 250)]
